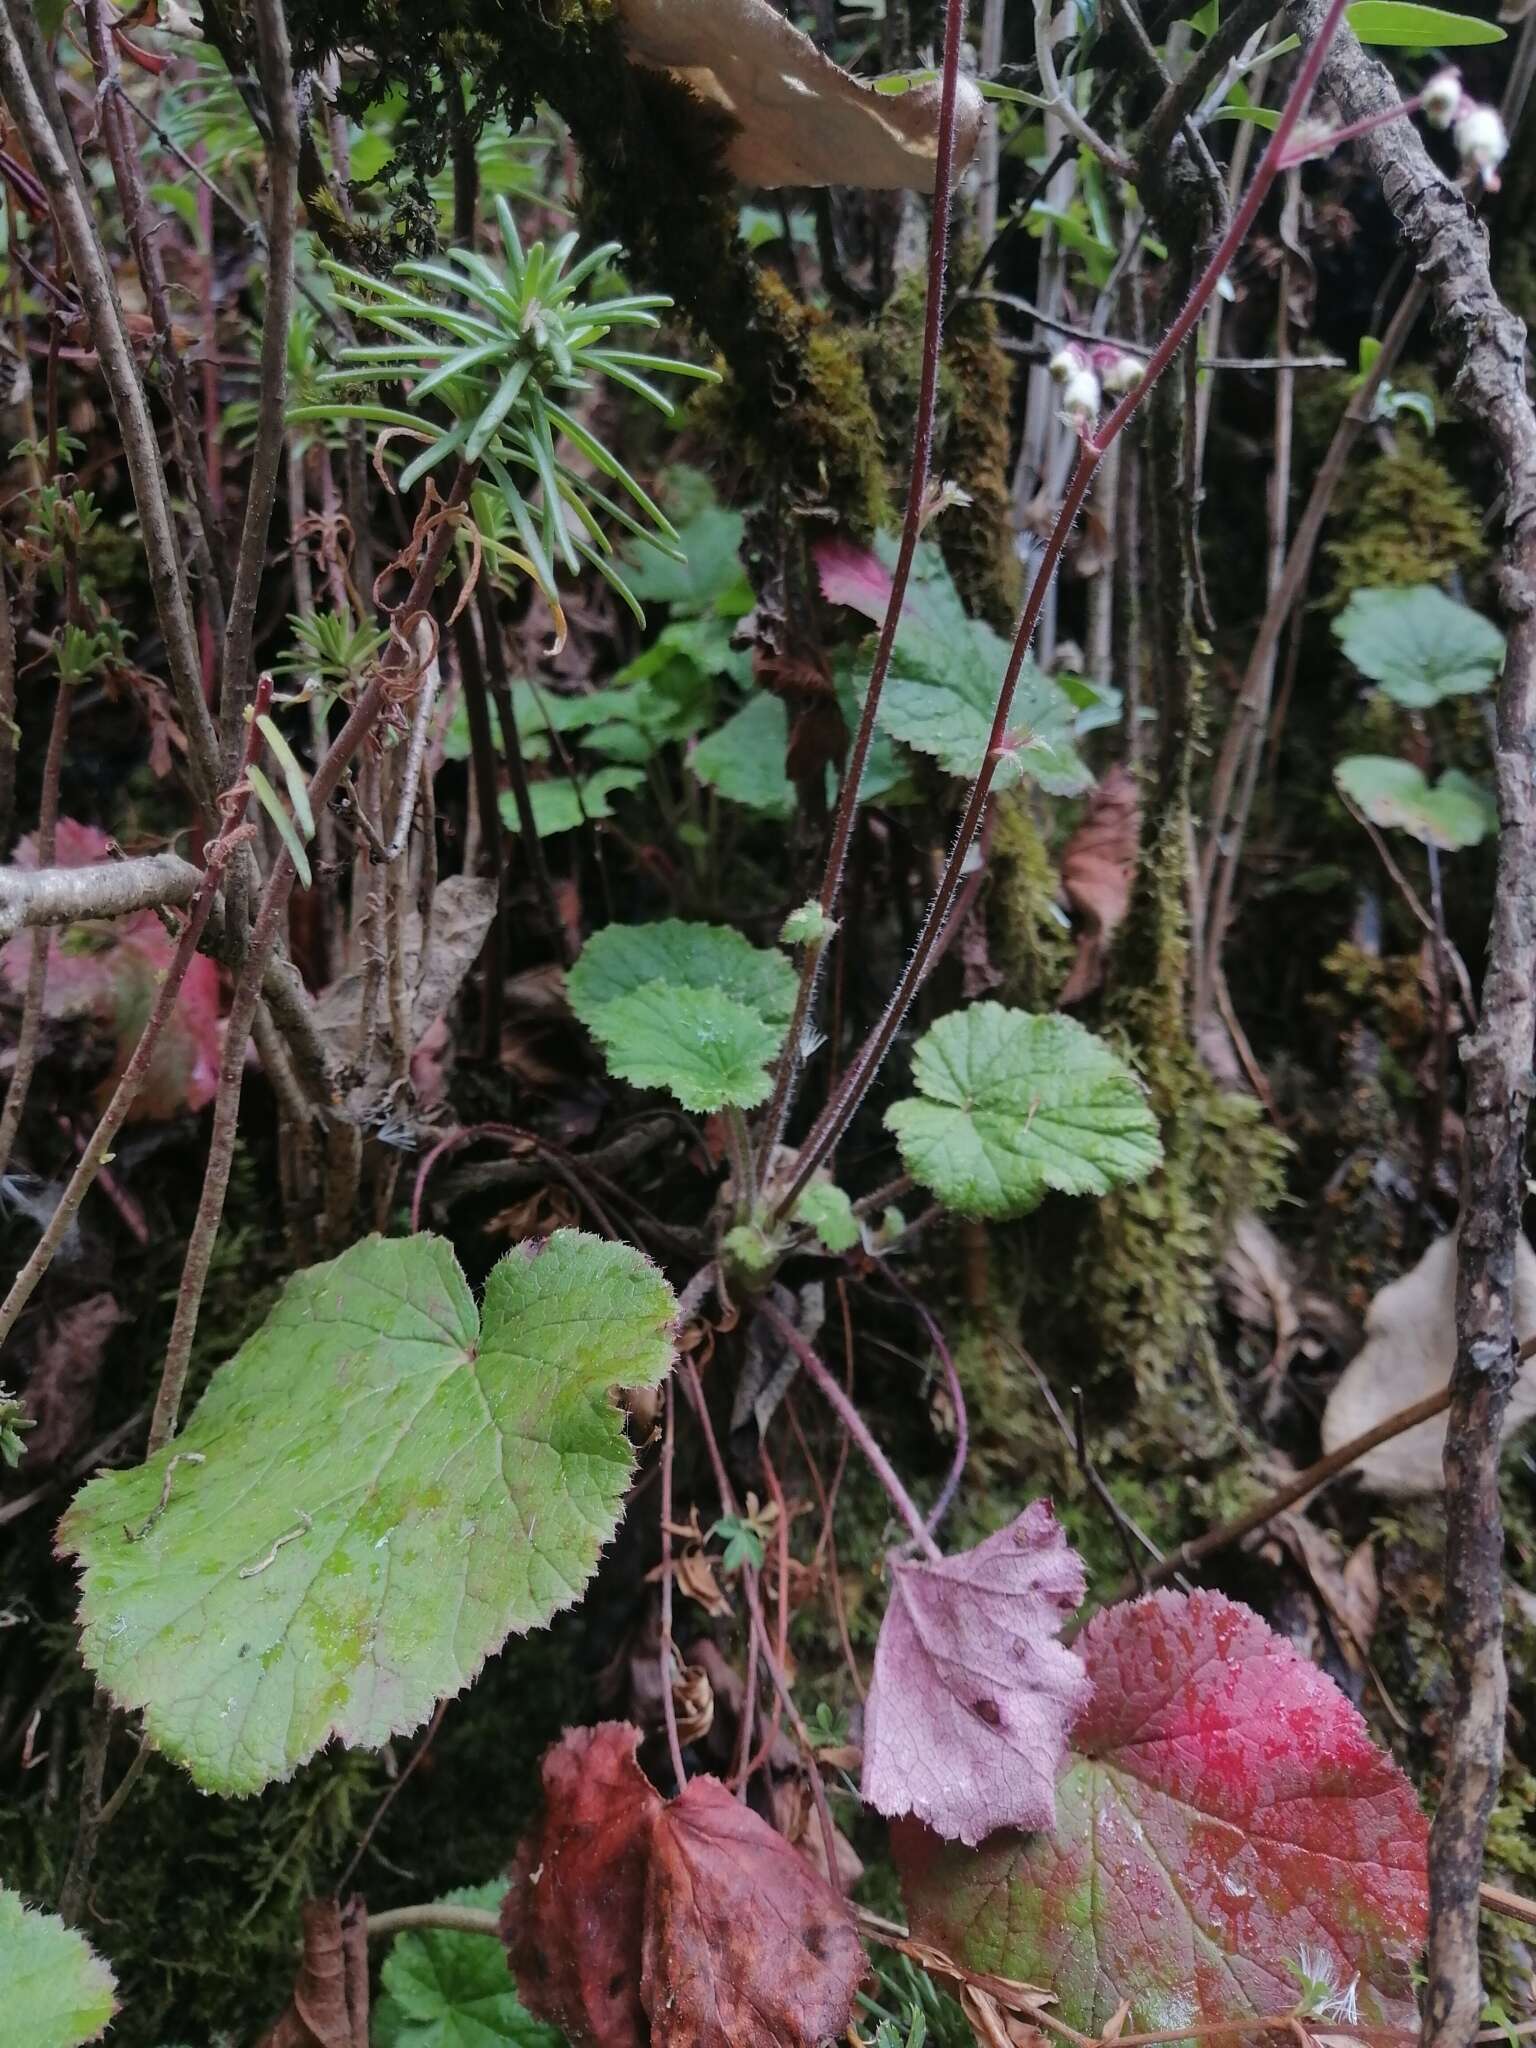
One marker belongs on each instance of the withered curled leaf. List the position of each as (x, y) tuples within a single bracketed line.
[(802, 120)]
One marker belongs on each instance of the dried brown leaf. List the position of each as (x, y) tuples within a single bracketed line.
[(329, 2008), (572, 1915), (802, 120), (1097, 866), (1410, 1347), (745, 1945), (61, 1386)]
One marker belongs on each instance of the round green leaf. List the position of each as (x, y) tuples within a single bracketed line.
[(373, 1494), (829, 1213), (55, 1991), (701, 1045), (1393, 793), (1010, 1104), (744, 760), (624, 957), (561, 805), (443, 1987), (1419, 644)]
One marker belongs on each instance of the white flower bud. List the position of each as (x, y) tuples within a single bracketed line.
[(1121, 373), (1066, 363), (1483, 143), (1081, 398), (1441, 98)]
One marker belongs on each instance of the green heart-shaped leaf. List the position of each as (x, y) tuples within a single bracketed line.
[(1453, 814), (1011, 1104), (1419, 644), (375, 1492), (702, 1046), (624, 957)]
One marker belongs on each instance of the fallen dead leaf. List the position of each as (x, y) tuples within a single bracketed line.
[(1097, 866), (802, 120), (718, 1971), (967, 1718), (793, 1808), (1255, 1277), (329, 2008), (572, 1916), (1410, 1348), (61, 1385)]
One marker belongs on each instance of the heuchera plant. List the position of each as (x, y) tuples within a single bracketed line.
[(389, 1478)]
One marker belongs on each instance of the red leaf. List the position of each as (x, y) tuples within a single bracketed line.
[(967, 1719), (572, 1918), (1224, 1807), (745, 1945), (112, 972)]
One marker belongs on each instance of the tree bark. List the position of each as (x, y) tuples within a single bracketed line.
[(1449, 249)]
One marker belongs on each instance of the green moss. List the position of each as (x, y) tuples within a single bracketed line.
[(971, 435), (976, 390), (1401, 518), (1145, 1282), (1029, 944)]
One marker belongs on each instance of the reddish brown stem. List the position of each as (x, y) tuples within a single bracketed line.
[(911, 531), (668, 1652), (839, 1112)]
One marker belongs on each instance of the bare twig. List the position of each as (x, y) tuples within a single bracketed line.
[(1450, 251), (668, 1650), (856, 1426), (26, 96), (1185, 94), (30, 897), (455, 1919), (1189, 1555), (275, 68), (142, 229), (1062, 104)]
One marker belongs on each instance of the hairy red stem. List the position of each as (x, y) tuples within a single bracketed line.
[(839, 1112), (911, 531), (856, 1426)]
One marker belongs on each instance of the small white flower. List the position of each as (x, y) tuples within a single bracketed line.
[(1480, 137), (1122, 373), (1067, 363), (1441, 98), (1081, 398)]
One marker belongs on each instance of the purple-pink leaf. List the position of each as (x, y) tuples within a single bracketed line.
[(967, 1720), (1224, 1821), (853, 576)]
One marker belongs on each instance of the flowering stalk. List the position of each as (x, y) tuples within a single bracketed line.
[(911, 529), (838, 1113)]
